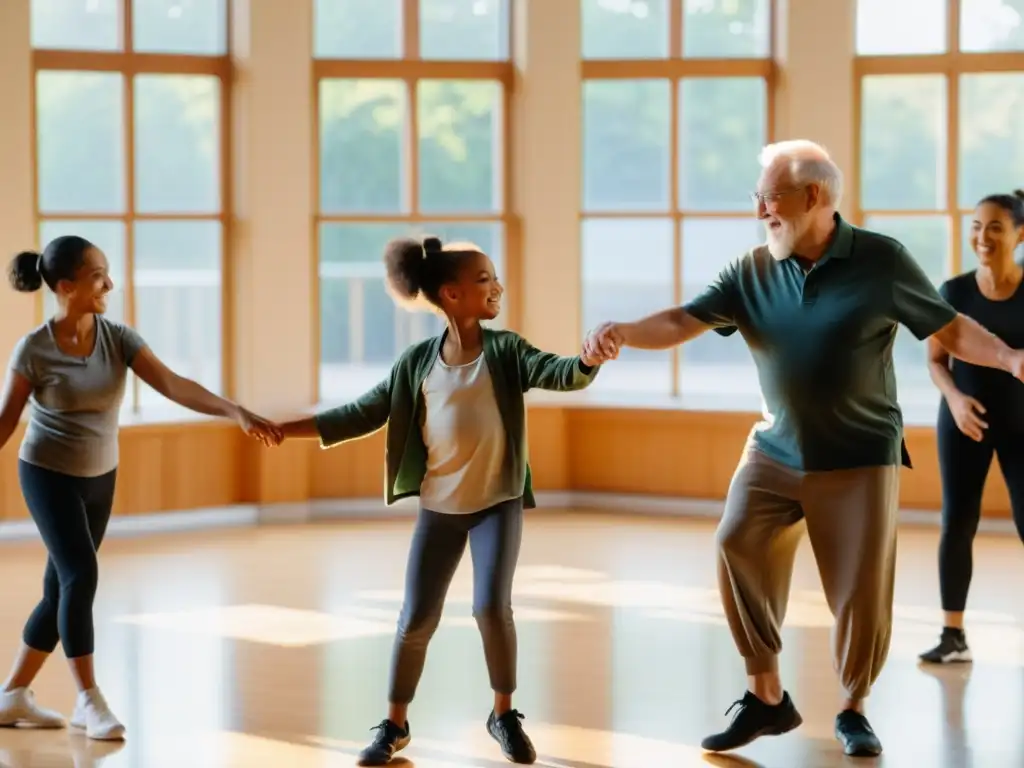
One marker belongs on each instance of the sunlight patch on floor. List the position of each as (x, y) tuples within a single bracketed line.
[(995, 637), (293, 628), (243, 750), (269, 624)]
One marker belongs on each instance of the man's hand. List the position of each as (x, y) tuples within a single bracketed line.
[(966, 339), (602, 344), (1016, 364)]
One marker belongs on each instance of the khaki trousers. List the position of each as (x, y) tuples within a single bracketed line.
[(850, 518)]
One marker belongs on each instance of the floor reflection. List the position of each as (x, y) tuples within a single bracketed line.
[(271, 648), (285, 627), (29, 748)]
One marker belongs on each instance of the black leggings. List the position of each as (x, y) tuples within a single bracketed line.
[(72, 515), (964, 465), (494, 535)]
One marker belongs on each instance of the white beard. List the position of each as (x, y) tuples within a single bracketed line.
[(781, 241)]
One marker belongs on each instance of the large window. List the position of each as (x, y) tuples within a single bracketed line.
[(130, 155), (676, 105), (412, 104), (941, 98)]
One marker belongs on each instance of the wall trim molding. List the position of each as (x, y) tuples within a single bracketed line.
[(127, 526), (296, 513)]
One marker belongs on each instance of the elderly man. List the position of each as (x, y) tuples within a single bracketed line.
[(818, 305)]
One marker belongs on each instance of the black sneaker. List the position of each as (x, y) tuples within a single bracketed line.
[(508, 731), (952, 648), (754, 719), (855, 734), (389, 740)]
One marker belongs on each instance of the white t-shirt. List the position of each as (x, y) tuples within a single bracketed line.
[(465, 439)]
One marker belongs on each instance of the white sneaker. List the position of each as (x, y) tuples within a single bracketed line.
[(19, 707), (93, 715)]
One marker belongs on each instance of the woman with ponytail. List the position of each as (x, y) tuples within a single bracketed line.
[(72, 370), (456, 437), (982, 409)]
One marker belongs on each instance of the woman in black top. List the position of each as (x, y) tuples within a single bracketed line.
[(982, 410)]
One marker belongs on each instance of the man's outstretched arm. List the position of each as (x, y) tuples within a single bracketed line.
[(662, 330)]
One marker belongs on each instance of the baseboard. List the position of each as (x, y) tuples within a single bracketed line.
[(295, 513), (640, 504), (668, 506), (146, 525), (355, 509), (580, 501)]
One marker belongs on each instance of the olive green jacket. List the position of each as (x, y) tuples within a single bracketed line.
[(515, 367)]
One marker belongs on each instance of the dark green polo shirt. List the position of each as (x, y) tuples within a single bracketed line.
[(822, 343)]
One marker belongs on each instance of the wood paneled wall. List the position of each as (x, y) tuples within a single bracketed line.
[(693, 454), (167, 467)]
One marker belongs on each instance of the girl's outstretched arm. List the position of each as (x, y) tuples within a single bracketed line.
[(546, 370), (347, 422)]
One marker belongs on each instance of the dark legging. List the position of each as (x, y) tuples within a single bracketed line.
[(964, 465), (72, 515), (494, 535)]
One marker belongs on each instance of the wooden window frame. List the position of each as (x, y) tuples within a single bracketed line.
[(128, 63), (675, 68), (411, 69), (951, 65)]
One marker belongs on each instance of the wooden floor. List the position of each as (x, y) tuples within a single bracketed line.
[(270, 647)]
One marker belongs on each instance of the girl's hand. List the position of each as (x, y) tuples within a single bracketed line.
[(589, 360), (601, 345)]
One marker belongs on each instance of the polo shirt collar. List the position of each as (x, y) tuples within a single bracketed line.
[(841, 245), (842, 240)]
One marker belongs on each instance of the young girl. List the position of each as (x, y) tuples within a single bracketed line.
[(982, 410), (456, 438), (73, 368)]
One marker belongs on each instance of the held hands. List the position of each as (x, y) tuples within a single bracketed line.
[(267, 432), (602, 344), (967, 414)]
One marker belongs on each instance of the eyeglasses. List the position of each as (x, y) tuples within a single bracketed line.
[(771, 197)]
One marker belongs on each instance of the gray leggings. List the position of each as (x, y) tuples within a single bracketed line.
[(494, 535)]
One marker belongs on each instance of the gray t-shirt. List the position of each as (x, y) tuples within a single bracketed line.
[(75, 401)]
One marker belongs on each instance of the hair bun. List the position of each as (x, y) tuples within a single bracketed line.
[(23, 272), (432, 245), (1019, 194), (403, 264)]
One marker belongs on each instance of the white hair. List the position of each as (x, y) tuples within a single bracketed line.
[(809, 163)]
